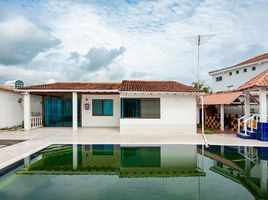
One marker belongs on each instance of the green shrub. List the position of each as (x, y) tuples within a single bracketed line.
[(199, 125), (208, 132)]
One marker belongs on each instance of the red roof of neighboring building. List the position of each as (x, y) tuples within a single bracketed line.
[(251, 60), (260, 80), (6, 88), (126, 85), (155, 86), (254, 59)]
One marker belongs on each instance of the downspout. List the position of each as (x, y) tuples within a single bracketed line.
[(203, 122)]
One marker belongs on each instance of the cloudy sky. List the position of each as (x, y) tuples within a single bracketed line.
[(98, 40)]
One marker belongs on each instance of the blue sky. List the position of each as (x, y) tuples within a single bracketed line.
[(47, 41)]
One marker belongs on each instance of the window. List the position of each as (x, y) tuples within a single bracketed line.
[(103, 150), (245, 70), (219, 78), (237, 72), (19, 84), (230, 73), (102, 107), (140, 108), (141, 156), (253, 68)]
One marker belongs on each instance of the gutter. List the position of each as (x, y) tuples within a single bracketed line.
[(38, 90), (109, 91)]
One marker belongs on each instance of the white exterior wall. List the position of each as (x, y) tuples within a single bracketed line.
[(11, 112), (236, 79), (88, 120), (36, 105), (179, 156), (178, 115)]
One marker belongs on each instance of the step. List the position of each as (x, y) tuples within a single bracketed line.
[(248, 136), (248, 131)]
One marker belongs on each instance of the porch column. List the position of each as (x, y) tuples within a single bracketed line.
[(263, 105), (27, 162), (222, 117), (27, 111), (202, 107), (247, 103), (74, 111), (75, 160)]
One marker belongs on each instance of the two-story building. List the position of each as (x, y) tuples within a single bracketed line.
[(232, 77)]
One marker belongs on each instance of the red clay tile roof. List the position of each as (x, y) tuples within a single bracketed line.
[(155, 86), (221, 98), (251, 60), (75, 86), (260, 80), (254, 59), (126, 85), (6, 88)]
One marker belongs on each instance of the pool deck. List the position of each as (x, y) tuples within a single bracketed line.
[(40, 138)]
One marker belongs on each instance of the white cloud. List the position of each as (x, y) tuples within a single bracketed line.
[(21, 41), (153, 32)]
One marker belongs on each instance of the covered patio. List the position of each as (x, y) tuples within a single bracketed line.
[(255, 126), (218, 106)]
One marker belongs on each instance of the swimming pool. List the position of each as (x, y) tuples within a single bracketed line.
[(139, 172)]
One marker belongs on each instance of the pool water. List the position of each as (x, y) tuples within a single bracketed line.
[(139, 172)]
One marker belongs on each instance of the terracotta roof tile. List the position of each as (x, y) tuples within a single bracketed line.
[(251, 60), (155, 86), (75, 86), (6, 88), (260, 80), (126, 85), (254, 59), (221, 98)]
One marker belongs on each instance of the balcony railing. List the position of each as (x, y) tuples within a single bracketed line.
[(36, 121)]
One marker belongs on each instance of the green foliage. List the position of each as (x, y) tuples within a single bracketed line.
[(202, 87), (208, 132), (199, 125)]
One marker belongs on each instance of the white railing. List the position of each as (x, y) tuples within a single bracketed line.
[(249, 121), (36, 121), (241, 119)]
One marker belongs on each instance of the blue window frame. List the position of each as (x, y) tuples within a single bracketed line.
[(102, 107)]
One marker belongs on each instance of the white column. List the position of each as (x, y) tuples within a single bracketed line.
[(74, 111), (247, 103), (263, 105), (75, 160), (222, 117), (27, 162), (222, 150), (27, 111), (263, 181)]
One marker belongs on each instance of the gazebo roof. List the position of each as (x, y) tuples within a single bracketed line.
[(258, 81), (221, 98)]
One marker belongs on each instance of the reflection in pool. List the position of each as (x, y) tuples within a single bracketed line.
[(140, 172)]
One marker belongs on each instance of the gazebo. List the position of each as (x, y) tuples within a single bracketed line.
[(221, 100), (255, 126)]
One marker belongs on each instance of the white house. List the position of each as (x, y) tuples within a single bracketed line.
[(11, 107), (234, 76), (132, 106)]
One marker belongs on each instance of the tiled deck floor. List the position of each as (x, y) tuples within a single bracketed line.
[(40, 138)]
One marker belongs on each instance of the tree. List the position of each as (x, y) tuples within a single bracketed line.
[(201, 86)]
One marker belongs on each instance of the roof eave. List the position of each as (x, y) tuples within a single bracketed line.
[(222, 70), (64, 90)]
